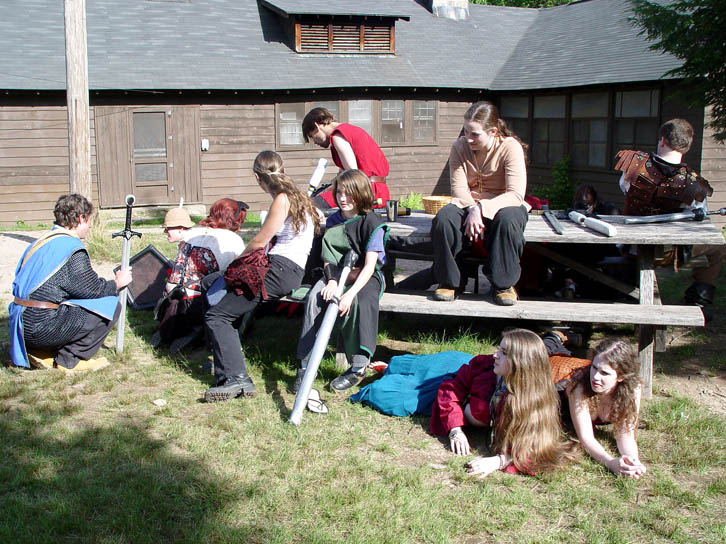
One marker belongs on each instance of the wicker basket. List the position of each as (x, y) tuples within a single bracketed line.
[(433, 204)]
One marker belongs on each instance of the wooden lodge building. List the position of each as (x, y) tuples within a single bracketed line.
[(185, 93)]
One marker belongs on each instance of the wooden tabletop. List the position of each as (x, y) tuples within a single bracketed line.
[(538, 230)]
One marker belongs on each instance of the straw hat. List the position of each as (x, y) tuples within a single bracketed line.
[(178, 217)]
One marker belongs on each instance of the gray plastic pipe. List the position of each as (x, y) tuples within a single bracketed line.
[(321, 342)]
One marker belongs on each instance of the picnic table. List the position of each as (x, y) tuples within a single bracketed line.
[(647, 314)]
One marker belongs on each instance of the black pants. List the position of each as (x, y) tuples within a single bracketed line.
[(503, 240), (222, 320), (366, 322), (88, 341), (181, 317)]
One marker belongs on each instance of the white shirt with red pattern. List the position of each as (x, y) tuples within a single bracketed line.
[(203, 251)]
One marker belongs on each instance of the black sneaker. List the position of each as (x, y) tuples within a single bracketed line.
[(236, 386), (348, 379), (298, 380)]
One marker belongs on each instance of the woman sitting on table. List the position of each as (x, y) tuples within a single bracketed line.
[(511, 392), (608, 391), (488, 182)]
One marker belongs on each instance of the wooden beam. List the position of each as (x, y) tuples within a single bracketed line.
[(575, 311), (646, 332), (79, 133)]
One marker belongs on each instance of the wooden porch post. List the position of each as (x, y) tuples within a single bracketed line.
[(79, 134), (646, 333)]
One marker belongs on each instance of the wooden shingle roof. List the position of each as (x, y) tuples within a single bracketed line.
[(241, 44)]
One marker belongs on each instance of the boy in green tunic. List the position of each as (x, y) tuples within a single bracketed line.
[(355, 226)]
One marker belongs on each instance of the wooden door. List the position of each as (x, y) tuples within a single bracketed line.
[(152, 152)]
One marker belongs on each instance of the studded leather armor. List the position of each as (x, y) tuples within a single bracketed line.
[(657, 186)]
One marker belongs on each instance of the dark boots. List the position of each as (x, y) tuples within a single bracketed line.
[(700, 293), (232, 387)]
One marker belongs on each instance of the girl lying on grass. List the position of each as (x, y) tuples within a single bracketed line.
[(513, 393), (608, 391)]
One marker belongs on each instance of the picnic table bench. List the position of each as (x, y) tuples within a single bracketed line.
[(648, 314)]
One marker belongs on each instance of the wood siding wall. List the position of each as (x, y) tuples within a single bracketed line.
[(34, 158), (713, 168), (34, 162), (236, 133)]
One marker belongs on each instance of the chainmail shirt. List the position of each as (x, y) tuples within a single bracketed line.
[(75, 279)]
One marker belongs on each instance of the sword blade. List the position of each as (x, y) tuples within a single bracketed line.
[(661, 218), (554, 223), (123, 298)]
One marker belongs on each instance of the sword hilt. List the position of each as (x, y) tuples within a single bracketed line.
[(127, 233)]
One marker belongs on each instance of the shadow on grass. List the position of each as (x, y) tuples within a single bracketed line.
[(98, 483), (21, 237)]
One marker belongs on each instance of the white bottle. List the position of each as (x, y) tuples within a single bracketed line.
[(317, 176)]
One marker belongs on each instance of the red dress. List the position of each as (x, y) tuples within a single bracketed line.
[(475, 381)]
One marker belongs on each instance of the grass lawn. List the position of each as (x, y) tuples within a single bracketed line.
[(91, 457)]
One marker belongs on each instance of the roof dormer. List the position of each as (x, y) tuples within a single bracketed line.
[(343, 26)]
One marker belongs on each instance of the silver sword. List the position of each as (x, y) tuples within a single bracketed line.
[(697, 214), (127, 234), (595, 224)]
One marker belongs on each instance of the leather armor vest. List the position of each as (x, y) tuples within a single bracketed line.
[(654, 191)]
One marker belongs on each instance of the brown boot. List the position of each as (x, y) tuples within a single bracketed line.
[(40, 359), (92, 364), (445, 294), (505, 297)]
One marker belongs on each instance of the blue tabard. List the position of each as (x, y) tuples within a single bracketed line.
[(41, 265)]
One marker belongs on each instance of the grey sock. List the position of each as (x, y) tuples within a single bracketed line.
[(359, 363)]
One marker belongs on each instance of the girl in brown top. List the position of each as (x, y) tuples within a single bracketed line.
[(488, 182)]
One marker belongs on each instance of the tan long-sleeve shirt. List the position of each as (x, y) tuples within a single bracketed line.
[(498, 182)]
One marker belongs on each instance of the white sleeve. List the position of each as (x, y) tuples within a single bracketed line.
[(624, 184)]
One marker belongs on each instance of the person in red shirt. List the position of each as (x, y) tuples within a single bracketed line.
[(512, 393), (351, 148)]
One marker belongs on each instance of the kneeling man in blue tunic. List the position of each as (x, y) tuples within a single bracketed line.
[(62, 311)]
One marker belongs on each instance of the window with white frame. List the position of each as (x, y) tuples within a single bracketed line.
[(424, 120), (393, 130), (290, 118), (360, 114), (389, 122)]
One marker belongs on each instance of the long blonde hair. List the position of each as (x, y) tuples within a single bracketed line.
[(269, 169), (528, 427)]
